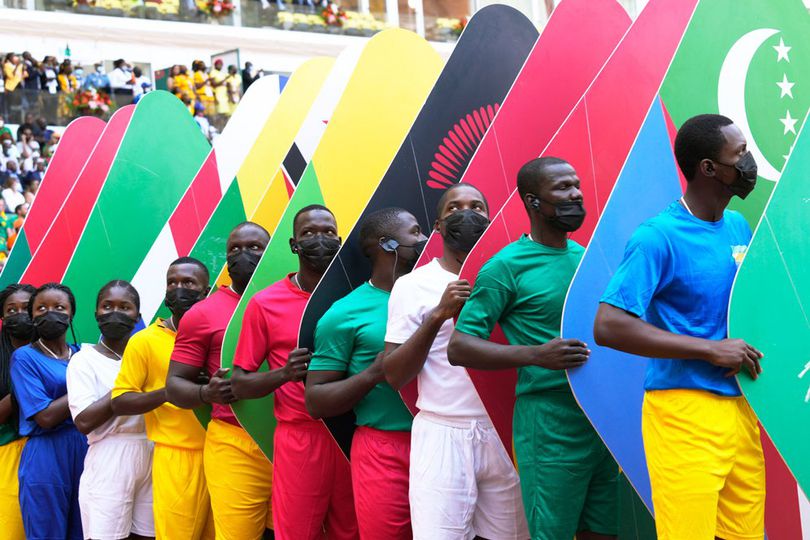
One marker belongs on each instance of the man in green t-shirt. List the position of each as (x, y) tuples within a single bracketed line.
[(568, 477), (346, 373)]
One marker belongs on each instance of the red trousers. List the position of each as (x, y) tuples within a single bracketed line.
[(380, 462), (312, 489)]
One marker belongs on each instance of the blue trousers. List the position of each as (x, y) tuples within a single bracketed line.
[(50, 468)]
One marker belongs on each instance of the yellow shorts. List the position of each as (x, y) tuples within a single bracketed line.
[(706, 465), (180, 496), (240, 481), (11, 523)]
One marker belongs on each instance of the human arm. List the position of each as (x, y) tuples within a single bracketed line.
[(255, 384), (331, 393), (5, 409), (30, 390), (128, 395), (403, 361), (89, 410), (183, 390), (623, 331)]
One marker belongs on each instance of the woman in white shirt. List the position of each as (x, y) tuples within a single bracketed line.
[(12, 193), (115, 491)]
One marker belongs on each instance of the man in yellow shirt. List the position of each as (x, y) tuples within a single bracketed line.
[(180, 497)]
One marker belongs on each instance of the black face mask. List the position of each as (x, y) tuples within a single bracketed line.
[(568, 215), (242, 264), (746, 181), (181, 299), (318, 250), (52, 324), (19, 326), (115, 325), (462, 229), (416, 248)]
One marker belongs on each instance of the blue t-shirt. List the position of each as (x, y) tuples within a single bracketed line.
[(677, 274), (37, 380)]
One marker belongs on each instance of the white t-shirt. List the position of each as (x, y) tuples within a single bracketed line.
[(443, 389), (90, 376), (13, 199)]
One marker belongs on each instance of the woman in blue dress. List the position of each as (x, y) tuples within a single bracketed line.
[(53, 458)]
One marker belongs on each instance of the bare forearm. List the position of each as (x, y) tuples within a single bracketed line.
[(54, 414), (619, 330), (182, 392), (133, 403), (405, 362), (94, 416), (252, 385), (5, 409), (474, 352), (334, 398)]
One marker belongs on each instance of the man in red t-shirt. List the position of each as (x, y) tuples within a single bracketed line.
[(312, 488), (238, 474)]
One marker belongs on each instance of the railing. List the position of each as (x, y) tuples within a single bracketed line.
[(58, 109), (362, 17)]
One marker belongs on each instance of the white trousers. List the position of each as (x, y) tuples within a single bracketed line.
[(462, 482), (115, 490)]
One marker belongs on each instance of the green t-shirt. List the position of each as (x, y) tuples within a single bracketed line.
[(523, 289), (348, 338), (7, 434)]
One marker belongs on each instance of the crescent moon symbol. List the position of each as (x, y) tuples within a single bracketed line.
[(731, 92)]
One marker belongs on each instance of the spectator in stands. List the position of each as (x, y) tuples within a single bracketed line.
[(202, 87), (170, 84), (249, 76), (28, 149), (12, 192), (218, 79), (42, 133), (183, 87), (9, 151), (33, 81), (141, 85), (32, 188), (97, 80), (50, 149), (50, 70), (6, 222), (4, 129), (68, 85), (22, 211), (234, 84), (13, 75), (121, 82)]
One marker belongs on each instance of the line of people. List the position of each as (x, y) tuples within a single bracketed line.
[(152, 469)]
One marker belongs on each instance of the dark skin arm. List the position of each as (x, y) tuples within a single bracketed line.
[(251, 385), (330, 393), (5, 409), (132, 403), (402, 363), (94, 415), (183, 390), (620, 330), (54, 414), (474, 352)]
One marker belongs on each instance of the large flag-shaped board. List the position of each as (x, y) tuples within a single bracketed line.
[(51, 259), (159, 156), (485, 61), (72, 152), (394, 74), (770, 307)]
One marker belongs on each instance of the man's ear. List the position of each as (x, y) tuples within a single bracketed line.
[(293, 246), (706, 167), (207, 290)]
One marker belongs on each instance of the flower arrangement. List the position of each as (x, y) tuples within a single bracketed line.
[(218, 8), (333, 15), (90, 102), (297, 21), (458, 28), (364, 22)]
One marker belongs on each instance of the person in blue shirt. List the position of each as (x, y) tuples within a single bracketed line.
[(668, 301), (53, 458)]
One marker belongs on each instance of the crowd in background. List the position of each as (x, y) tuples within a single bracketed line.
[(60, 91), (24, 154)]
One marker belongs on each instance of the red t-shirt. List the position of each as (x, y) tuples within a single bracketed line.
[(199, 339), (270, 332)]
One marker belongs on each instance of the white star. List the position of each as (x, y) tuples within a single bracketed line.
[(782, 51), (786, 87), (789, 123)]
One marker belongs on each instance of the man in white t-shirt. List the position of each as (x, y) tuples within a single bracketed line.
[(115, 490), (462, 482)]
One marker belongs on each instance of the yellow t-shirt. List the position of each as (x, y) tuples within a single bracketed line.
[(204, 92), (144, 367)]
